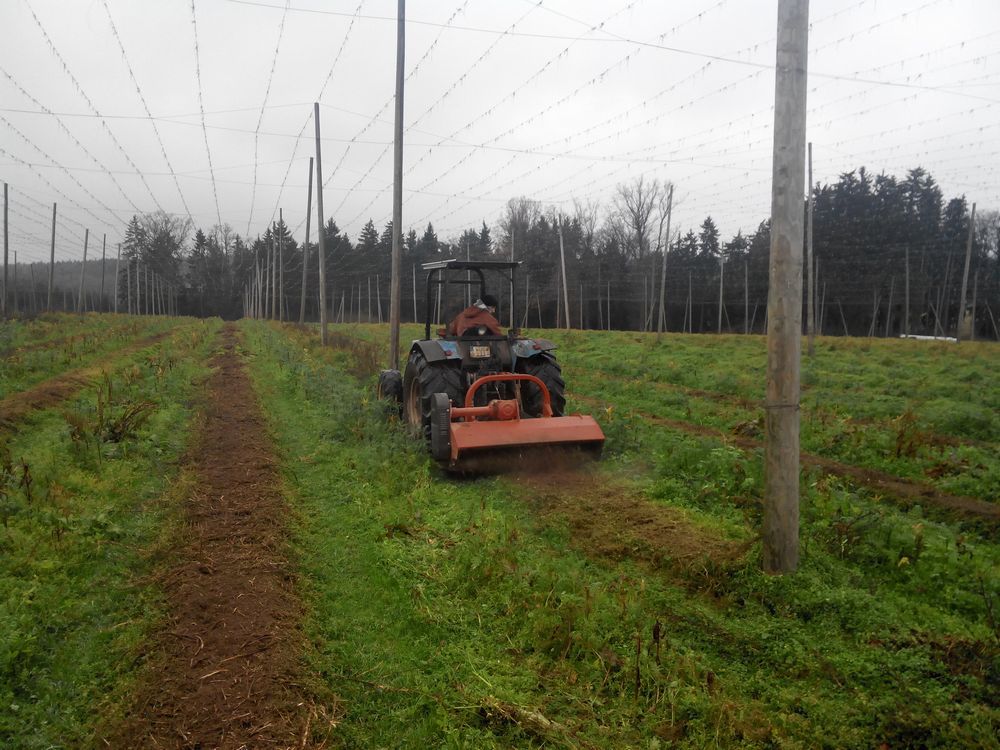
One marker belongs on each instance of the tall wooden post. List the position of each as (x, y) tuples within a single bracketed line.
[(321, 229), (965, 274), (274, 277), (118, 263), (397, 192), (416, 318), (128, 285), (784, 326), (562, 262), (511, 321), (722, 270), (83, 267), (52, 261), (3, 300), (906, 321), (281, 267), (104, 259), (305, 247), (661, 323), (810, 287)]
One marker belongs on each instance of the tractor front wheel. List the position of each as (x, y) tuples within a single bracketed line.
[(421, 380)]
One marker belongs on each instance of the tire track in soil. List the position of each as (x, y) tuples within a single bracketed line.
[(17, 406), (903, 492), (225, 671)]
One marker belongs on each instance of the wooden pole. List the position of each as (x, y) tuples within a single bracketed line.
[(784, 327), (34, 293), (3, 300), (562, 263), (810, 278), (52, 261), (415, 317), (320, 227), (14, 289), (965, 274), (661, 323), (369, 279), (511, 321), (118, 265), (274, 276), (281, 267), (305, 247), (397, 192), (83, 266), (906, 320), (104, 259), (378, 297), (128, 284), (722, 269)]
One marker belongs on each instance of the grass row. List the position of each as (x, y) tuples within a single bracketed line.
[(82, 341), (452, 614), (84, 490)]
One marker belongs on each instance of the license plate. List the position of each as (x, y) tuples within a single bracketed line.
[(479, 352)]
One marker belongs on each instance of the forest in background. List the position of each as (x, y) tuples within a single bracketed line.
[(868, 230)]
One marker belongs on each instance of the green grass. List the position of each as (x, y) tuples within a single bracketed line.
[(76, 541), (66, 342), (439, 609)]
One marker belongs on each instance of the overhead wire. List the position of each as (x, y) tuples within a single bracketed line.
[(201, 108), (145, 105), (260, 117), (90, 104)]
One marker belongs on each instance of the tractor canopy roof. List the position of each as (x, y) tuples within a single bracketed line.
[(469, 265)]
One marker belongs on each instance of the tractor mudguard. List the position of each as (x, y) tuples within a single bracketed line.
[(438, 351), (524, 348)]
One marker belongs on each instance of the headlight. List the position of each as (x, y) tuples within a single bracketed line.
[(481, 330)]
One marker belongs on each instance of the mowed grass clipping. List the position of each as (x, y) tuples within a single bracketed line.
[(477, 614), (85, 491)]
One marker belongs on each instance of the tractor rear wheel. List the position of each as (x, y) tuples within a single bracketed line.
[(421, 380), (544, 367)]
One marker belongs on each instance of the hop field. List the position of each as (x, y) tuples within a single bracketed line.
[(615, 605)]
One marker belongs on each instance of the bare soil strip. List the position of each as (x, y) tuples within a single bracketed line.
[(903, 491), (225, 671), (15, 407)]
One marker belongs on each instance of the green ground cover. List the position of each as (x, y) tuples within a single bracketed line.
[(920, 410), (82, 503), (450, 613), (66, 342)]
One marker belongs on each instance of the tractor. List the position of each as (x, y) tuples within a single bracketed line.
[(474, 393)]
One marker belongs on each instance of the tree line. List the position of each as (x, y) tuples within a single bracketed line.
[(870, 233)]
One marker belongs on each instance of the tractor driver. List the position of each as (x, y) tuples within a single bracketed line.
[(479, 313)]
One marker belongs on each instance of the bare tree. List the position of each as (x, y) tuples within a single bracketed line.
[(636, 204)]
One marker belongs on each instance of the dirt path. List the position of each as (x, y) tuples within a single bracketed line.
[(224, 673), (15, 407), (904, 492)]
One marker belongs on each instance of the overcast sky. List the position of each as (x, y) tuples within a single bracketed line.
[(554, 100)]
